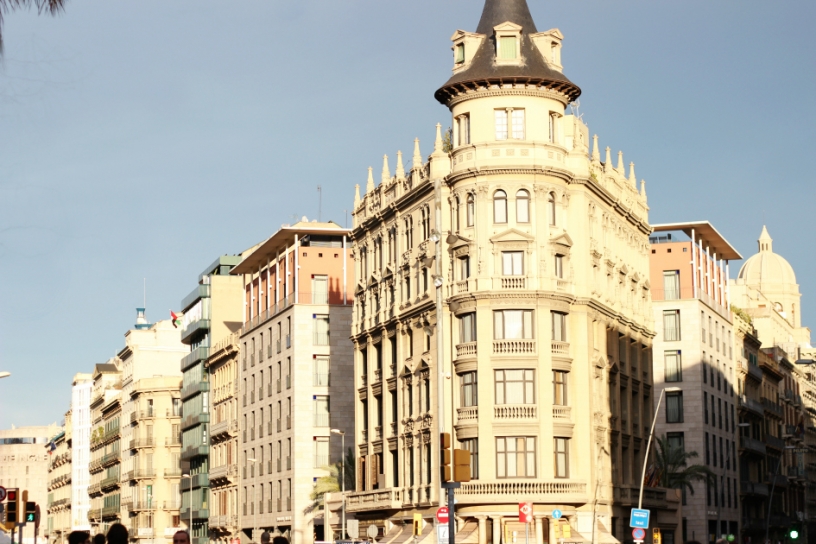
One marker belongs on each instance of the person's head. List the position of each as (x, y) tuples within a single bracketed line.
[(117, 534), (79, 537), (181, 537), (99, 538)]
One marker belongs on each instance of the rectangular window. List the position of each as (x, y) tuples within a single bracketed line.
[(472, 445), (321, 330), (674, 367), (512, 324), (676, 441), (321, 459), (671, 325), (671, 284), (464, 129), (561, 450), (512, 263), (507, 47), (515, 386), (559, 266), (707, 451), (320, 289), (459, 53), (560, 387), (559, 327), (321, 410), (469, 392), (467, 328), (518, 124), (515, 457), (501, 124), (674, 407), (464, 268), (705, 404), (321, 371)]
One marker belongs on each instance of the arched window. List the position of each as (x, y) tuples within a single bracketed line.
[(551, 208), (471, 210), (523, 206), (500, 207)]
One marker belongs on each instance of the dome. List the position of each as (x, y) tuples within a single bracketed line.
[(766, 268)]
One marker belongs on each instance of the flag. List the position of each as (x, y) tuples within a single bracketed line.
[(51, 447), (176, 319)]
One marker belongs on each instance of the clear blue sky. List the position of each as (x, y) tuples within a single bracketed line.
[(144, 139)]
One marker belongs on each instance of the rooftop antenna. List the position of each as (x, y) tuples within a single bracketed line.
[(319, 204), (144, 292), (345, 222)]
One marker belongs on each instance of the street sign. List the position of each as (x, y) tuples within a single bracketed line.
[(442, 515), (442, 534), (2, 493), (525, 512), (638, 534), (372, 531), (353, 528), (556, 514), (639, 518)]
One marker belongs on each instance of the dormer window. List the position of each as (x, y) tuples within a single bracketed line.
[(507, 48), (508, 43), (459, 53)]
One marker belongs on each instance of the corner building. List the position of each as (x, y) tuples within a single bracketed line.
[(538, 252)]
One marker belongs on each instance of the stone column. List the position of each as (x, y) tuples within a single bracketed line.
[(553, 540), (482, 529), (497, 532), (539, 529)]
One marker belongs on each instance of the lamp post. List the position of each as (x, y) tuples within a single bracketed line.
[(190, 476), (342, 477), (5, 374), (770, 497), (649, 442), (254, 499)]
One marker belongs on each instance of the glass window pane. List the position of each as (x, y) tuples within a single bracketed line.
[(507, 47), (518, 124), (513, 324), (501, 124)]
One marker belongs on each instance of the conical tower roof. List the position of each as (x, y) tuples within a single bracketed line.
[(483, 69)]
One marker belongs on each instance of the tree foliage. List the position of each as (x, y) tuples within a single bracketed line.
[(673, 467), (331, 482), (6, 6)]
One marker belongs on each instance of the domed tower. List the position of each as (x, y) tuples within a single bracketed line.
[(773, 276)]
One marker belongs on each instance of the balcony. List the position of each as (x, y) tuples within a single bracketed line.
[(772, 407), (195, 326), (195, 419), (142, 473), (514, 282), (195, 355), (514, 347), (219, 429), (201, 480), (144, 532), (778, 481), (468, 415), (172, 441), (629, 496), (194, 451), (561, 349), (796, 473), (468, 349), (193, 389), (515, 411), (110, 511), (174, 472), (562, 413), (201, 291), (141, 506), (137, 443), (774, 442), (109, 483), (558, 492), (385, 499), (752, 444), (94, 489), (754, 488), (752, 406), (110, 459)]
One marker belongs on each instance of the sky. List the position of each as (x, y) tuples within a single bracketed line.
[(141, 140)]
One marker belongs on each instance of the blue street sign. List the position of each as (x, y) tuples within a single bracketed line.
[(639, 518), (638, 534), (556, 514)]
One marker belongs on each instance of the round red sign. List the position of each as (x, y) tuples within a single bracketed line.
[(442, 514)]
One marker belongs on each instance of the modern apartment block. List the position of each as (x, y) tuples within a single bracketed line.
[(506, 278), (694, 358), (296, 369), (150, 430), (105, 446), (222, 368), (211, 312)]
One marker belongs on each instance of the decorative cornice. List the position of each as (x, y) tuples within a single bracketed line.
[(468, 93)]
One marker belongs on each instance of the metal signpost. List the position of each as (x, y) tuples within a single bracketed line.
[(526, 517)]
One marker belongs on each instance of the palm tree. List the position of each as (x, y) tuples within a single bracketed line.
[(673, 470), (331, 482), (6, 6)]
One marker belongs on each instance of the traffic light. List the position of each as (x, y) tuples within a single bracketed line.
[(461, 466), (12, 497), (794, 533), (417, 529), (30, 512), (445, 460), (657, 538)]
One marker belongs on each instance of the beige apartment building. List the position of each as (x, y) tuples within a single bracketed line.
[(295, 370), (223, 369), (24, 464), (150, 478), (694, 357), (502, 294), (105, 446), (58, 524)]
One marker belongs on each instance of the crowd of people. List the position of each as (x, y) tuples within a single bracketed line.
[(117, 534)]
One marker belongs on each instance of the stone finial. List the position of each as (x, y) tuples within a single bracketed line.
[(370, 182), (608, 160), (400, 168), (620, 168), (386, 172), (596, 155), (417, 161), (356, 196), (438, 140), (643, 188), (632, 177)]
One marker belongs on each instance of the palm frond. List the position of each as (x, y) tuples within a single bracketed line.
[(674, 468), (7, 6)]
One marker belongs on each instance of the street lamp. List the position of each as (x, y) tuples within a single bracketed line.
[(254, 500), (4, 374), (773, 485), (191, 504), (649, 443), (342, 476)]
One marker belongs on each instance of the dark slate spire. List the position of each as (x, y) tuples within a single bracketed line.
[(483, 69)]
